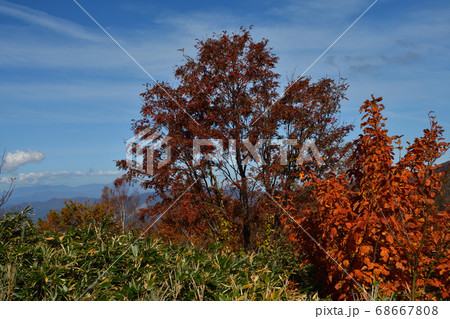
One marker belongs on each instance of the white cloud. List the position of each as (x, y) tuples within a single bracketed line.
[(19, 158), (51, 177), (106, 173), (47, 21), (323, 11), (34, 178)]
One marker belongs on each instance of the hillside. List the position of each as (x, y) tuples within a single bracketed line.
[(44, 198), (41, 209)]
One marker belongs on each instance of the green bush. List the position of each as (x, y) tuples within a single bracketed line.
[(93, 264)]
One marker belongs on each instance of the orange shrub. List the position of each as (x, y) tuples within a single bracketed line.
[(379, 222), (77, 215)]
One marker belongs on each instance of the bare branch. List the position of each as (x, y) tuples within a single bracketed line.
[(8, 192)]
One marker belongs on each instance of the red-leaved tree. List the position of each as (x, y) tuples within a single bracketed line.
[(229, 91)]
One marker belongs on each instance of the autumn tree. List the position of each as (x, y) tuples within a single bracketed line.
[(379, 222), (444, 198), (123, 204), (78, 215), (230, 92)]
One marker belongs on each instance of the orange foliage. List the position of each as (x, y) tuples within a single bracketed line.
[(76, 215), (379, 221)]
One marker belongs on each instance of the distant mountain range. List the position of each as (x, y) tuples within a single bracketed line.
[(43, 193), (41, 209), (45, 198)]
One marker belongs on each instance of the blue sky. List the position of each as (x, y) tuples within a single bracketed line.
[(68, 92)]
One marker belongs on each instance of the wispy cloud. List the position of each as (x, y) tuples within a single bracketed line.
[(404, 59), (362, 68), (50, 177), (19, 158), (368, 63), (45, 20), (325, 11)]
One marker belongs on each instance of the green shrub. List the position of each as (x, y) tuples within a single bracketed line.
[(93, 264)]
